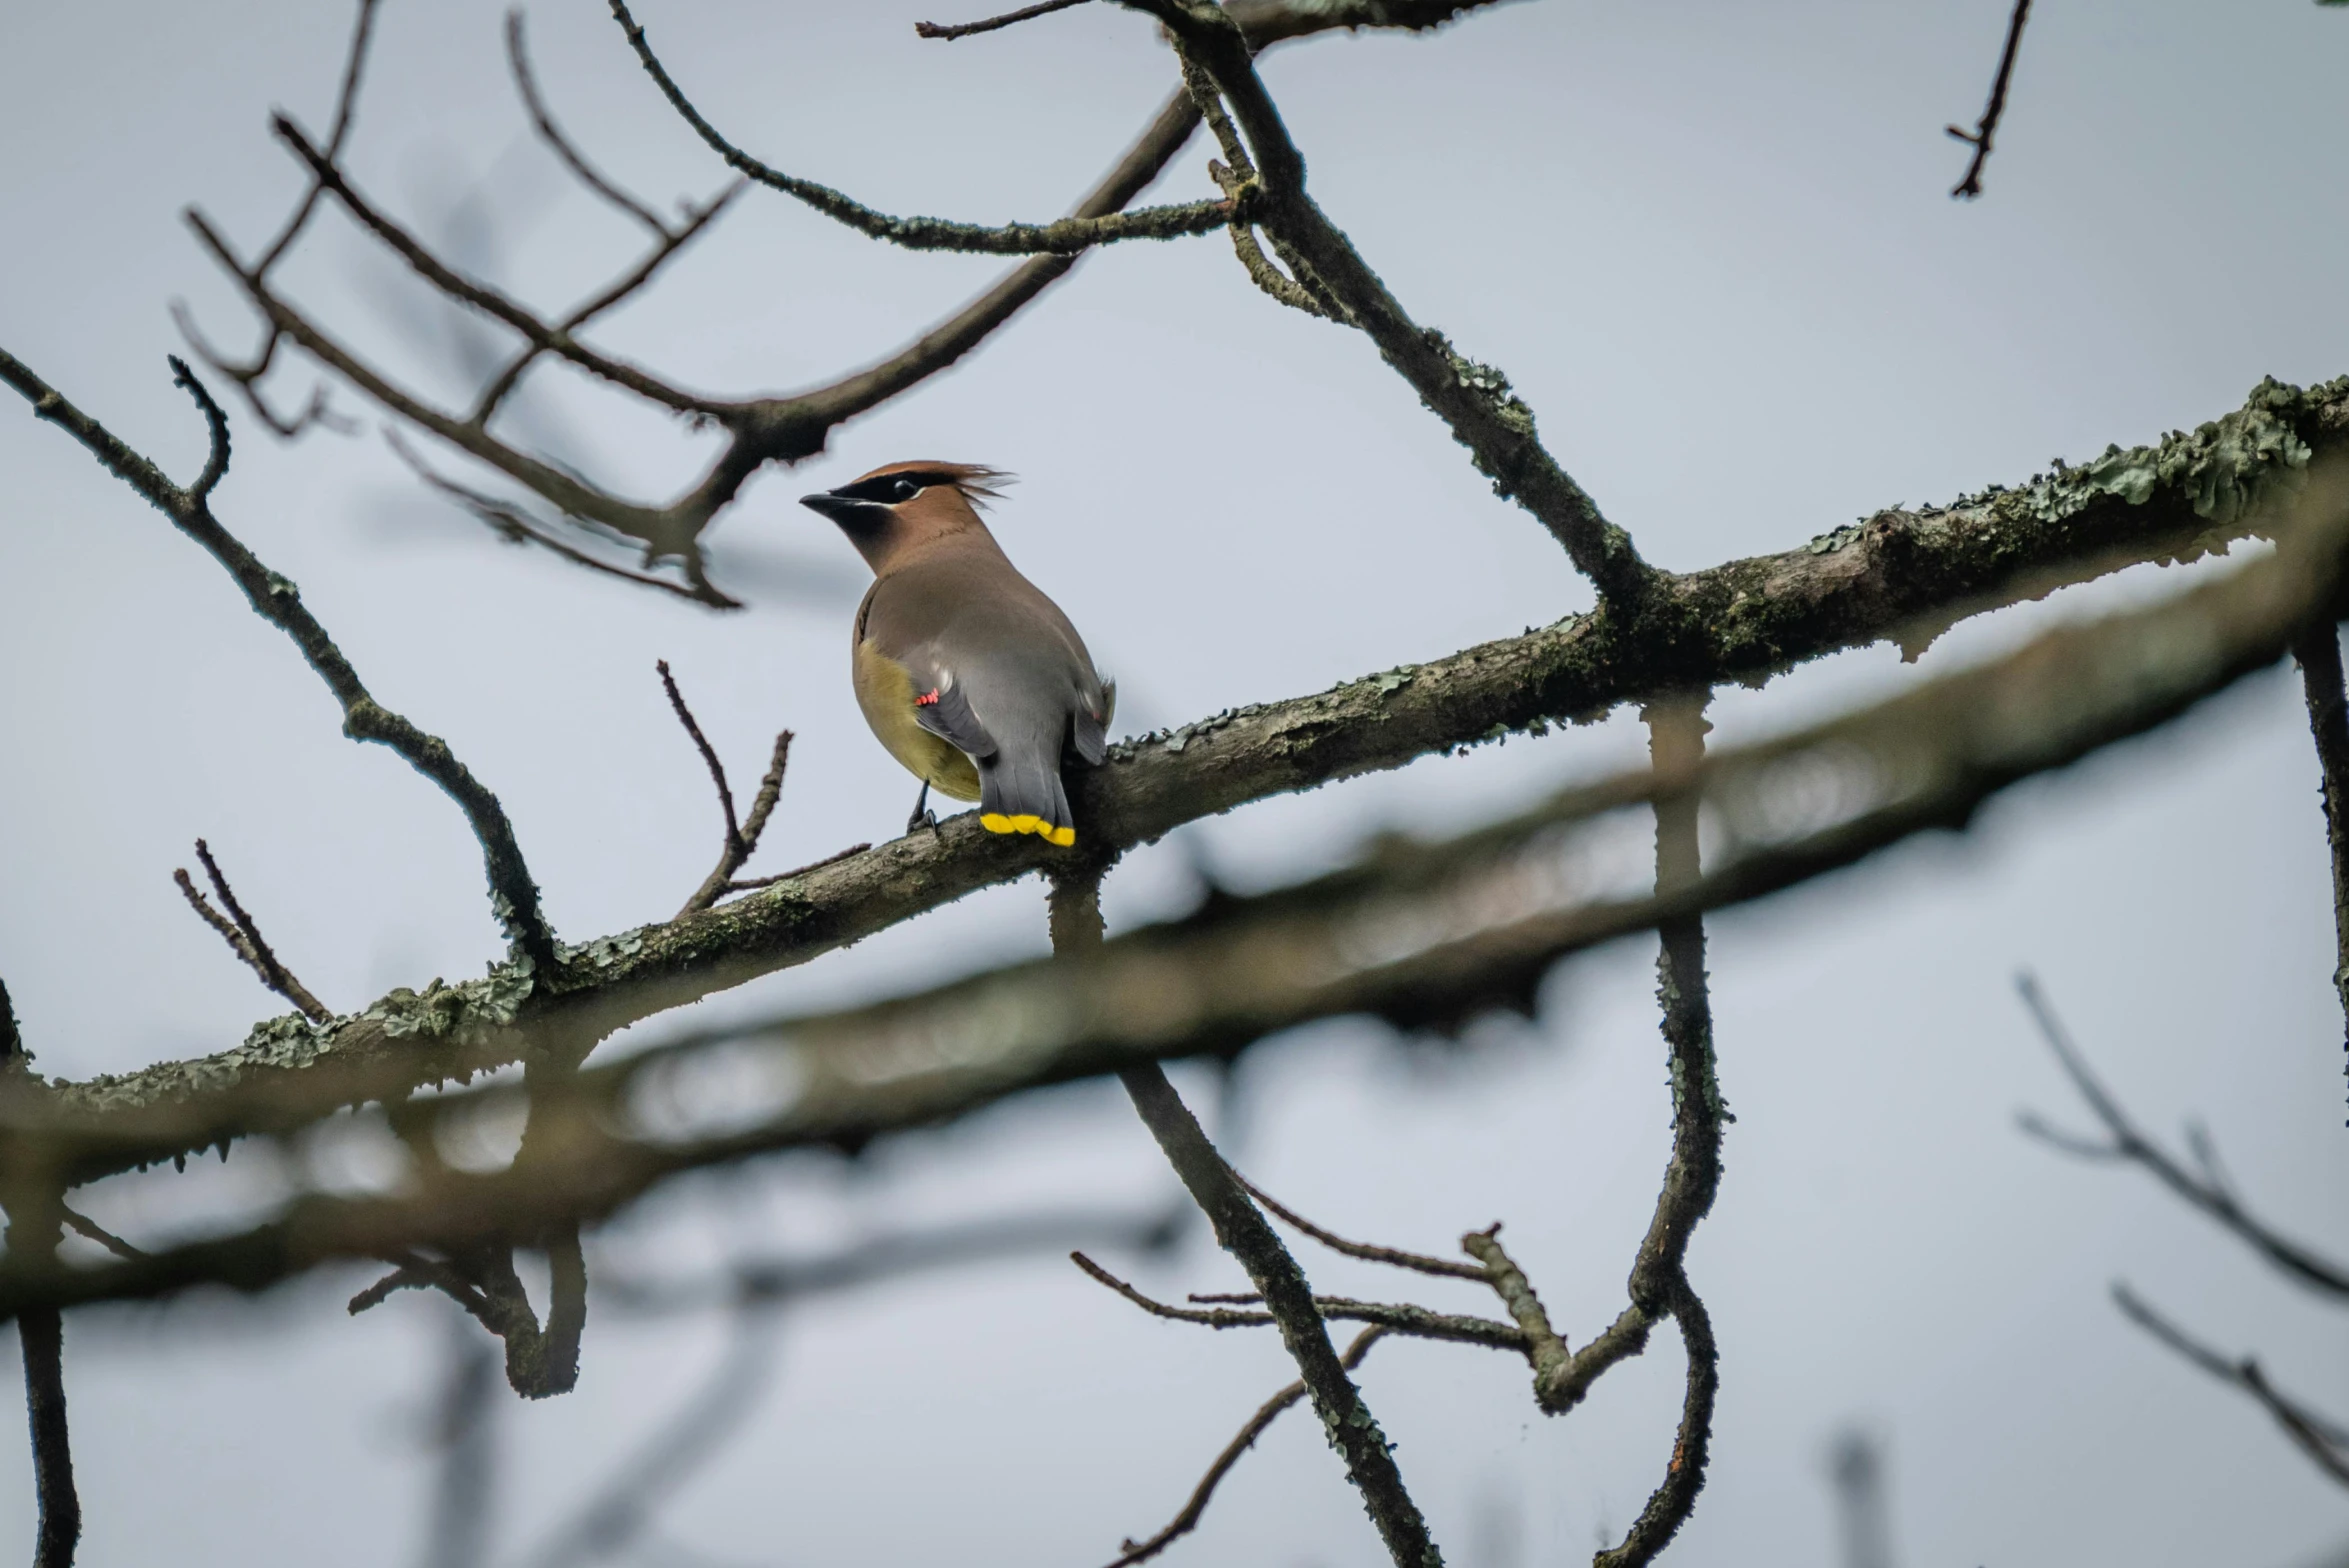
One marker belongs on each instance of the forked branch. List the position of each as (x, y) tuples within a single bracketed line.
[(243, 936), (742, 838)]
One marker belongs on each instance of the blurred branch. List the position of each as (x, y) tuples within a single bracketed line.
[(2206, 1190), (1979, 137), (620, 1508), (513, 895), (526, 84), (2319, 657), (464, 1430), (2324, 1441), (244, 938)]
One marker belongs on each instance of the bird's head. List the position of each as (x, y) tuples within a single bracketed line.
[(903, 505)]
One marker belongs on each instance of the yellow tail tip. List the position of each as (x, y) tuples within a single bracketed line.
[(996, 822)]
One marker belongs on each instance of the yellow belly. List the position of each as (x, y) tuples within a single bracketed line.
[(885, 691)]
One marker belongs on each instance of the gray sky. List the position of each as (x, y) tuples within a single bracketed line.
[(1712, 245)]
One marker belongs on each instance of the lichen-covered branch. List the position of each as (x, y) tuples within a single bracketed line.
[(1417, 935), (1900, 574), (1659, 1282)]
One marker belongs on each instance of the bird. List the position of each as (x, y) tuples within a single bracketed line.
[(967, 673)]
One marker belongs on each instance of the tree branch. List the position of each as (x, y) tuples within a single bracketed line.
[(1659, 1275), (742, 839), (2319, 657), (244, 937), (1472, 399), (1242, 1232), (513, 896), (2324, 1441), (1485, 916), (1026, 13), (1188, 1520), (2204, 1191), (1066, 237), (1900, 572), (1979, 137)]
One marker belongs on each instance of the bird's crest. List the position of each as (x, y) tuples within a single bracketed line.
[(978, 483)]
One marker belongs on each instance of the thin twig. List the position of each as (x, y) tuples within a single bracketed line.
[(346, 102), (512, 526), (1979, 137), (1065, 236), (1396, 1317), (1415, 1261), (244, 937), (966, 29), (2319, 657), (742, 838), (2323, 1440), (2130, 1142), (526, 83), (1188, 1520), (84, 1225)]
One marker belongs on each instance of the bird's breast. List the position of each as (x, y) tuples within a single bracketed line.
[(885, 691)]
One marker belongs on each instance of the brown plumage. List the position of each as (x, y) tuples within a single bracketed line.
[(971, 677)]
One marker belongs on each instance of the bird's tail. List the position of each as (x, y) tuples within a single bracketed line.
[(1022, 793)]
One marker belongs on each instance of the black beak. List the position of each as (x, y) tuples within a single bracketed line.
[(839, 508)]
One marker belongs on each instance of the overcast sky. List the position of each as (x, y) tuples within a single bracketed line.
[(1713, 246)]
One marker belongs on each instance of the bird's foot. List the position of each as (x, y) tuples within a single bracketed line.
[(923, 816)]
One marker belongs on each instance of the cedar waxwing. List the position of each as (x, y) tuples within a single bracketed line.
[(966, 672)]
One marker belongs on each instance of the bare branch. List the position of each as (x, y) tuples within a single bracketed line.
[(2324, 1441), (1066, 237), (526, 84), (513, 896), (1026, 13), (244, 937), (1979, 137), (1395, 1317), (1945, 748), (1473, 400), (491, 303), (512, 526), (2206, 1191), (1417, 1262), (1188, 1520), (346, 103), (742, 840)]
